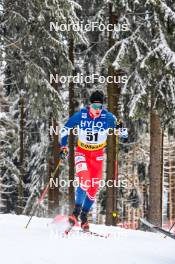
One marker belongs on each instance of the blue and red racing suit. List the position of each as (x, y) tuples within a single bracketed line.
[(92, 135)]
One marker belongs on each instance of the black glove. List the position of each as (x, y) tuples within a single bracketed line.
[(119, 123), (63, 153), (124, 140)]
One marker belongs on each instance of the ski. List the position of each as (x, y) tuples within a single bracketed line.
[(157, 228), (94, 234), (91, 233), (68, 229), (61, 219)]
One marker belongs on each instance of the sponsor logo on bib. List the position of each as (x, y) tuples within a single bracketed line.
[(79, 158), (81, 167)]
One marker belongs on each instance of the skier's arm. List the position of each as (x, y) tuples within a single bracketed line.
[(112, 123), (71, 123), (123, 132)]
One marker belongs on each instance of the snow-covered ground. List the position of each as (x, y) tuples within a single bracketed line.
[(42, 243)]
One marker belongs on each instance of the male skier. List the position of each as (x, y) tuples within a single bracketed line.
[(94, 123)]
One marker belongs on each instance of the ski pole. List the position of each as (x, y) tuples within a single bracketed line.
[(43, 194), (170, 228)]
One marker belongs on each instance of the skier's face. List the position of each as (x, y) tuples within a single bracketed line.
[(96, 109)]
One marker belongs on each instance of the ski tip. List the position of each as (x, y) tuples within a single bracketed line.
[(66, 232)]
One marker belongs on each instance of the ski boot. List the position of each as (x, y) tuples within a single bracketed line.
[(84, 221), (73, 219)]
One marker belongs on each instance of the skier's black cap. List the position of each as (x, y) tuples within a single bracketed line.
[(97, 97)]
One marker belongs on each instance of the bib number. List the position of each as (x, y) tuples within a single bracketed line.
[(92, 137)]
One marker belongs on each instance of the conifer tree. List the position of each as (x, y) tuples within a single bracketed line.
[(147, 54)]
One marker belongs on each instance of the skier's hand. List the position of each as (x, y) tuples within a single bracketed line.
[(123, 133), (119, 123), (64, 153)]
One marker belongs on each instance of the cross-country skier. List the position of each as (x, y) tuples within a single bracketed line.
[(93, 123)]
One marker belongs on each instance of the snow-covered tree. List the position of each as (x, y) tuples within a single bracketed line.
[(146, 53), (32, 51), (9, 176)]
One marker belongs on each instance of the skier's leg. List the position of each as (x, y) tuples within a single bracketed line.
[(88, 202), (84, 183), (79, 196), (84, 213), (82, 172), (95, 169), (79, 199)]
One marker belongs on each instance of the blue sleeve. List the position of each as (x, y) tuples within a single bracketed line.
[(72, 122), (112, 120), (112, 123)]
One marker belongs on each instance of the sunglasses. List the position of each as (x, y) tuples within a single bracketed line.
[(96, 106)]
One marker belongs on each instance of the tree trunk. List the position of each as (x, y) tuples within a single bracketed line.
[(50, 168), (155, 175), (71, 137), (171, 198), (21, 157), (53, 193), (113, 92), (173, 191)]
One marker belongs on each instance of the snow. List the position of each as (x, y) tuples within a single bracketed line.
[(37, 244), (3, 115), (165, 10), (121, 54), (163, 50)]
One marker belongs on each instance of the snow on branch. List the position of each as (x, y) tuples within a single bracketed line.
[(139, 55), (75, 5), (133, 104), (123, 44), (18, 15), (165, 10), (162, 51), (121, 54), (137, 88), (54, 41)]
